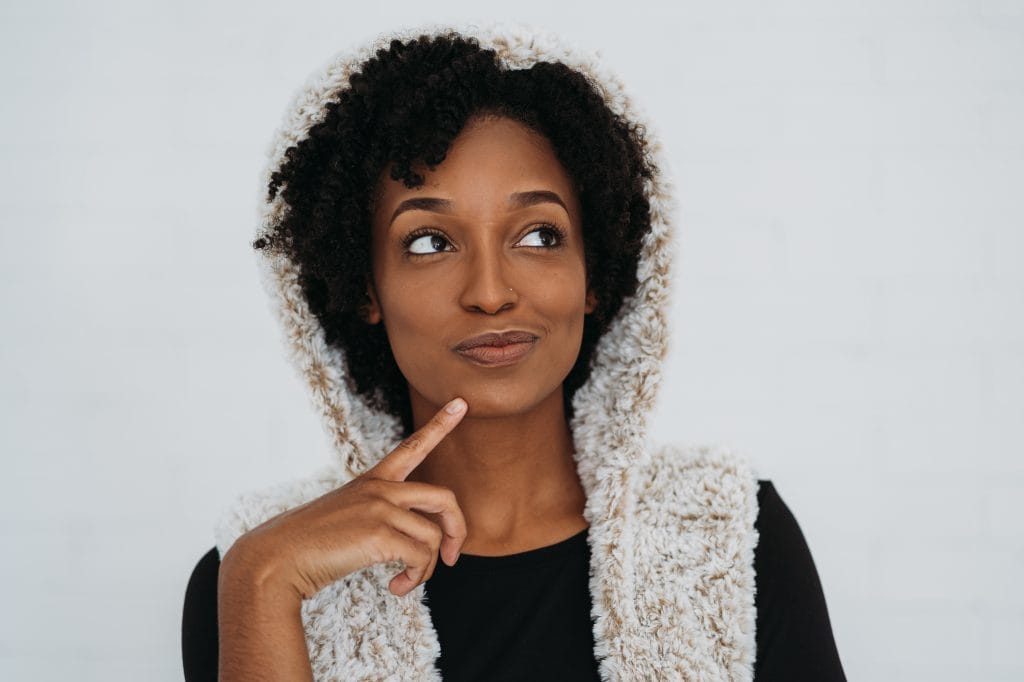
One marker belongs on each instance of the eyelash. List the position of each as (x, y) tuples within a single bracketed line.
[(560, 236)]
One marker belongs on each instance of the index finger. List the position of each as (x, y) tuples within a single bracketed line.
[(400, 462)]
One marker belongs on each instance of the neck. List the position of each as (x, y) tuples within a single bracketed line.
[(514, 476)]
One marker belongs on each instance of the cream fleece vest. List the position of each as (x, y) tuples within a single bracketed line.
[(671, 532)]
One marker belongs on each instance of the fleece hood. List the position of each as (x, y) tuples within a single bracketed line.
[(641, 499)]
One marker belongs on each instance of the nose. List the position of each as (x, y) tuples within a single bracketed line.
[(487, 287)]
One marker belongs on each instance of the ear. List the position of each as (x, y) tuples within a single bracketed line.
[(591, 301), (371, 311)]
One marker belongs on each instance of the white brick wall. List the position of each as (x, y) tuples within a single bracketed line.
[(847, 306)]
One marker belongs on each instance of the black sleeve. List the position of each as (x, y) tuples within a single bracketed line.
[(794, 634), (199, 620)]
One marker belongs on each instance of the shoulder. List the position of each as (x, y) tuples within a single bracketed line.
[(781, 539), (782, 554), (199, 620), (203, 574), (699, 496), (697, 480), (693, 543), (794, 632)]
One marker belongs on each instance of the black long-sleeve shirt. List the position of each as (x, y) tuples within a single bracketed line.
[(545, 631)]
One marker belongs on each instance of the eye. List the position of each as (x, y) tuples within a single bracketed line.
[(551, 236), (423, 243)]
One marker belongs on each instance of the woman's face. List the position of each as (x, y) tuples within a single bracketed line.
[(476, 249)]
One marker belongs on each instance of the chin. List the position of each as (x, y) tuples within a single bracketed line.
[(500, 399), (487, 399), (487, 406)]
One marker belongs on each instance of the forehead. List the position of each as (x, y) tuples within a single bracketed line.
[(489, 160)]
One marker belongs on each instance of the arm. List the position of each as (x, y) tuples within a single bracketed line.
[(259, 621), (794, 633), (255, 619)]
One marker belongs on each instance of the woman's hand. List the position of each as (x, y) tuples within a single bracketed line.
[(372, 519), (268, 571)]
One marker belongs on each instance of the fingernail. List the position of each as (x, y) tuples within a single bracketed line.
[(455, 406)]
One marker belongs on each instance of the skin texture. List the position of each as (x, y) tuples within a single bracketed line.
[(495, 478), (509, 461)]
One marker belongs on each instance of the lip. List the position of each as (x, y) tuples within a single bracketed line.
[(497, 339), (497, 349)]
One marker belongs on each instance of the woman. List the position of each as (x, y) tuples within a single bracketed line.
[(476, 222)]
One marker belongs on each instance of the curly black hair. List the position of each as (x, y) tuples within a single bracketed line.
[(405, 105)]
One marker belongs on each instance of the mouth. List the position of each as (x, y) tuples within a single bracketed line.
[(497, 350)]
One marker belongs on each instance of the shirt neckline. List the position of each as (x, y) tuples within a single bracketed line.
[(538, 555)]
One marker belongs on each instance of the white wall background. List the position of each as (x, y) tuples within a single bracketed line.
[(848, 306)]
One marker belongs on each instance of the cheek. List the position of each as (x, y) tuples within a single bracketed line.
[(415, 319), (411, 314), (561, 295)]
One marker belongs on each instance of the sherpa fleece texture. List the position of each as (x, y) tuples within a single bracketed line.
[(671, 527)]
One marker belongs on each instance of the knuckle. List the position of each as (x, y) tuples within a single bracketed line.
[(449, 496), (436, 534), (377, 506), (376, 534), (372, 486), (381, 537), (413, 442)]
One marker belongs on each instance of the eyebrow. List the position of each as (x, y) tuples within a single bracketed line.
[(515, 200)]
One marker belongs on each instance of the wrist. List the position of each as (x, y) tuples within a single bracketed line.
[(252, 572)]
